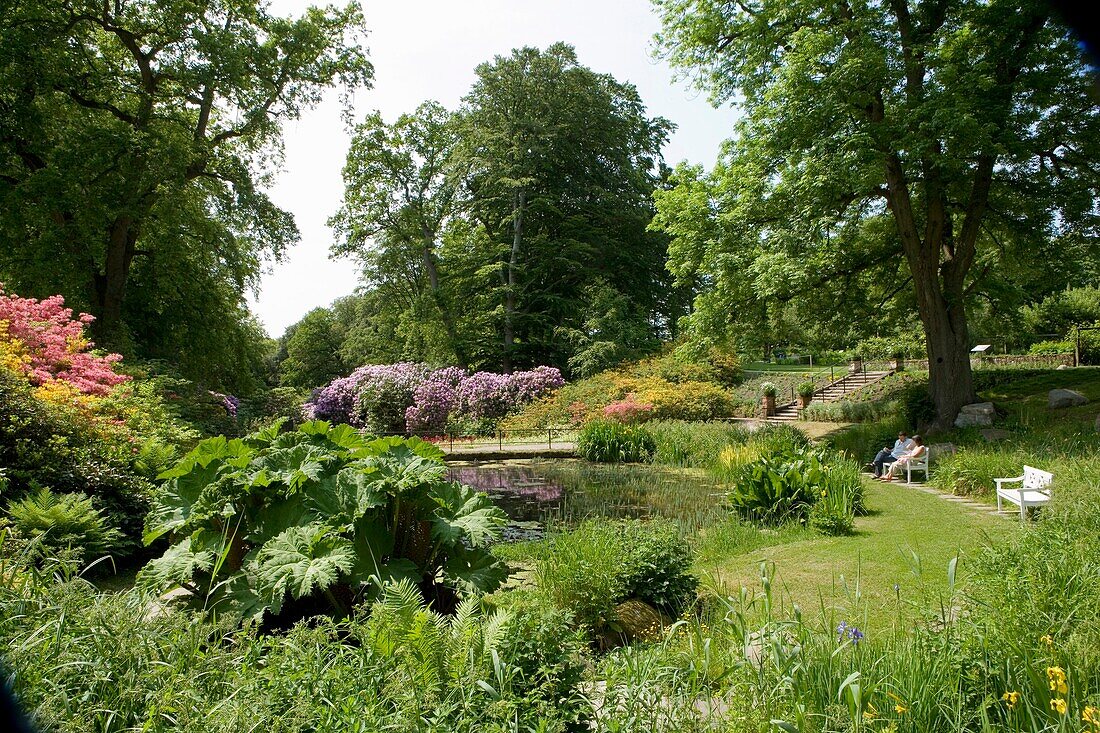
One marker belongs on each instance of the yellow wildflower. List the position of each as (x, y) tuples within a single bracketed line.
[(900, 709), (1011, 698), (1091, 716), (1047, 639), (870, 713), (824, 492), (1058, 705), (1056, 677)]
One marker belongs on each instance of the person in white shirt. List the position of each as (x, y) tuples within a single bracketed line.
[(903, 445), (917, 451)]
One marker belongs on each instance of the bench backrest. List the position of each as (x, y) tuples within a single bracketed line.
[(1035, 478)]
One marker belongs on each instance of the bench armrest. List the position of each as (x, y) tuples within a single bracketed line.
[(1000, 481)]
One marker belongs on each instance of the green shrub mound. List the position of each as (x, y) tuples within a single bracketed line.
[(797, 483), (322, 515), (602, 563)]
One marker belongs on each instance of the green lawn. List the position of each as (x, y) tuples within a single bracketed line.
[(908, 538)]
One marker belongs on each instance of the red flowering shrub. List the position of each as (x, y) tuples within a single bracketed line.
[(628, 410), (42, 340)]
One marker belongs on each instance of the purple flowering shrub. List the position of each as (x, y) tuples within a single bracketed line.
[(433, 402), (409, 397), (484, 395), (229, 402), (385, 392), (335, 401)]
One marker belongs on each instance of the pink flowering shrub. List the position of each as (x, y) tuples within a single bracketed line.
[(43, 341), (628, 410)]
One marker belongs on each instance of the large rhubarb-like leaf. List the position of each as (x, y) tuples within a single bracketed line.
[(176, 566), (293, 466), (466, 514), (172, 506), (473, 571), (400, 471), (347, 496), (304, 559)]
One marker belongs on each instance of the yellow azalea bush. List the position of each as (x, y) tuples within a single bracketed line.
[(678, 389), (689, 400)]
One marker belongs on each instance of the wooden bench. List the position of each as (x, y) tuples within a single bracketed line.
[(1034, 490)]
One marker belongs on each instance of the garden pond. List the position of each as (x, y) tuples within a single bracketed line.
[(538, 493)]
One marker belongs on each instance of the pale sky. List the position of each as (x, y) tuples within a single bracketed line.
[(427, 49)]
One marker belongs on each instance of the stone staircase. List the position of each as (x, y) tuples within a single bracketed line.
[(831, 392)]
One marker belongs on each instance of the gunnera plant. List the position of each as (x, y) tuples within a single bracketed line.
[(321, 517)]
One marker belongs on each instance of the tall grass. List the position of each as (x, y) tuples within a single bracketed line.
[(87, 661), (693, 444), (633, 491)]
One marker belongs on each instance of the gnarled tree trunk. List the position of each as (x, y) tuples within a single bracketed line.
[(111, 283)]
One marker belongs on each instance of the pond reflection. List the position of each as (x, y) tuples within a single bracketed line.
[(537, 493)]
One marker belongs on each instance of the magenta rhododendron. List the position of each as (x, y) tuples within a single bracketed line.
[(45, 342), (417, 399)]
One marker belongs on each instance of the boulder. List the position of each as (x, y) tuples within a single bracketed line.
[(1059, 398), (639, 620), (935, 450), (979, 414), (992, 435), (1061, 367)]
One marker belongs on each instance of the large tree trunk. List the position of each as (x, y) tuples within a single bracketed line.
[(940, 305), (950, 381), (510, 286), (111, 284), (432, 269)]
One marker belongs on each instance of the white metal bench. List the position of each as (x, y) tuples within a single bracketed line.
[(1033, 491)]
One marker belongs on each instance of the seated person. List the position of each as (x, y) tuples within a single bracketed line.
[(919, 449), (888, 455)]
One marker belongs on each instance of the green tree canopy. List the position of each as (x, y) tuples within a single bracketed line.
[(400, 192), (560, 164), (497, 236), (313, 350), (929, 141), (134, 146)]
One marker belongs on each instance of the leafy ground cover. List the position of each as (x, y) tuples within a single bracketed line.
[(930, 616)]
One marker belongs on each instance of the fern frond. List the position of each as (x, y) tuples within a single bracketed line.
[(495, 627)]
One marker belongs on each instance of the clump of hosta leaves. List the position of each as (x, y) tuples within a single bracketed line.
[(322, 515)]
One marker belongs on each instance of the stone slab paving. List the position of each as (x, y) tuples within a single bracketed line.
[(965, 501)]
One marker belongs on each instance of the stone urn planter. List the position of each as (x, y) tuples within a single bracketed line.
[(805, 394), (855, 364), (897, 363), (768, 392)]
